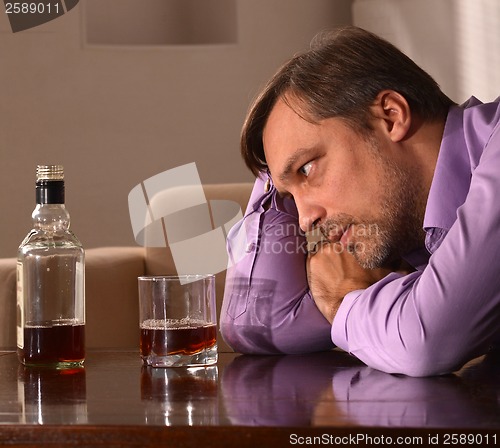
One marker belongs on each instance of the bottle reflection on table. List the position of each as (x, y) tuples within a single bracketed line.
[(180, 395), (51, 396)]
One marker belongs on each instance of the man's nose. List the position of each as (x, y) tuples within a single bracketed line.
[(310, 215)]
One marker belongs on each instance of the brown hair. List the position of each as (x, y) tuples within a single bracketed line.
[(340, 76)]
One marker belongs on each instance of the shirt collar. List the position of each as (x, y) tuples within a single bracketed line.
[(452, 174)]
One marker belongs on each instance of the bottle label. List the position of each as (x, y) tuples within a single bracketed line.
[(20, 306)]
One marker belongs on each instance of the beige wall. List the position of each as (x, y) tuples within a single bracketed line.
[(115, 116)]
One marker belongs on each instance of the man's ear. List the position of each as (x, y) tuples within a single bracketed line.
[(394, 112)]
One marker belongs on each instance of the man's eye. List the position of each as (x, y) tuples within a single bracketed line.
[(306, 169)]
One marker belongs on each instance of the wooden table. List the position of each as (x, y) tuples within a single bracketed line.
[(244, 401)]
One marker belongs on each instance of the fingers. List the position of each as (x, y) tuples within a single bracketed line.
[(339, 261), (328, 252)]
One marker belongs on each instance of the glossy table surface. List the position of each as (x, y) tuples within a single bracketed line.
[(243, 400)]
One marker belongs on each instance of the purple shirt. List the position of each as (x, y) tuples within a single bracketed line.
[(429, 322)]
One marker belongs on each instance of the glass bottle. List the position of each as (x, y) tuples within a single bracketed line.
[(51, 281)]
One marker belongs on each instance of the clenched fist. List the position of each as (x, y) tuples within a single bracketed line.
[(332, 272)]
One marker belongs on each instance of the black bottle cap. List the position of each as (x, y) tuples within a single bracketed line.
[(50, 192), (49, 184)]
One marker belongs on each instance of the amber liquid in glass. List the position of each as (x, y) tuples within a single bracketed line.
[(172, 340)]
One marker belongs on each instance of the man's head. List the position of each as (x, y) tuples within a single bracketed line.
[(340, 76), (340, 129)]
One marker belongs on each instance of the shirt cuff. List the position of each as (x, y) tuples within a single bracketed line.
[(339, 326)]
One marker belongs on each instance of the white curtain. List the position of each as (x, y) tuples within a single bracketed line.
[(456, 41)]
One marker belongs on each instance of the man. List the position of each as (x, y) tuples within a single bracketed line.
[(354, 139)]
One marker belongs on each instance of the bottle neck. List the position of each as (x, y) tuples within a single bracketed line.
[(50, 213), (50, 191)]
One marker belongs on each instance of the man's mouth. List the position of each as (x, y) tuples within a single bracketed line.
[(337, 233), (344, 239)]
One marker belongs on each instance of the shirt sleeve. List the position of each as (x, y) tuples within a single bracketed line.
[(267, 307), (433, 321)]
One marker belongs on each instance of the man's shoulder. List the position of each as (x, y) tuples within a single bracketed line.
[(481, 117), (480, 121)]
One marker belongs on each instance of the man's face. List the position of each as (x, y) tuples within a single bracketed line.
[(350, 186)]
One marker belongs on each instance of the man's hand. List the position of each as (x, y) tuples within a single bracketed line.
[(332, 272)]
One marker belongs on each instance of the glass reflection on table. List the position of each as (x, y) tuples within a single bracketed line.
[(180, 395)]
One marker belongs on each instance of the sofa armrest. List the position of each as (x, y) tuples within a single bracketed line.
[(8, 303)]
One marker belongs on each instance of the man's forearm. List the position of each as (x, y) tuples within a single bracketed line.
[(267, 306)]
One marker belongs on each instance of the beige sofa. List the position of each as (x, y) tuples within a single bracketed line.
[(111, 285)]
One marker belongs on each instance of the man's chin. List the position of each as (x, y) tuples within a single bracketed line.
[(372, 258)]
